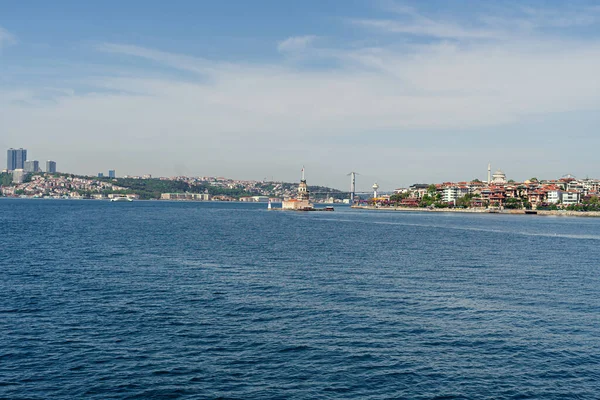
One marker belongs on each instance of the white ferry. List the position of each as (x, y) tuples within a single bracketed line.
[(121, 198)]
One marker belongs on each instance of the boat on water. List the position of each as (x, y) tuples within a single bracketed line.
[(121, 199)]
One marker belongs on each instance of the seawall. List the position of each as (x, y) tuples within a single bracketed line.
[(556, 213)]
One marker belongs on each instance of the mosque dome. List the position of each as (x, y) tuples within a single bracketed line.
[(499, 177)]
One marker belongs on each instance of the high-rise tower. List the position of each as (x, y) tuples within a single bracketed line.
[(21, 158), (51, 167), (15, 159), (32, 166), (11, 161)]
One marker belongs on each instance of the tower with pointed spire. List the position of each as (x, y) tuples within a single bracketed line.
[(302, 200), (303, 193)]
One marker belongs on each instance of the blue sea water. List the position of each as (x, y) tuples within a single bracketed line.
[(166, 300)]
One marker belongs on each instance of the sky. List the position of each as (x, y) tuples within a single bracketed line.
[(398, 91)]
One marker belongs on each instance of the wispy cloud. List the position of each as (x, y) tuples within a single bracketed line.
[(408, 20), (540, 17), (426, 27), (499, 23), (295, 43), (527, 19), (374, 88), (177, 61), (6, 38)]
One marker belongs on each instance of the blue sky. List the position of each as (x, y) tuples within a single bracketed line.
[(399, 91)]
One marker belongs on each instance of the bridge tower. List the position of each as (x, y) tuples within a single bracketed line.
[(352, 176)]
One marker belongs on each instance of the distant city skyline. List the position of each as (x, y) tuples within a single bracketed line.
[(18, 159), (364, 186), (399, 91)]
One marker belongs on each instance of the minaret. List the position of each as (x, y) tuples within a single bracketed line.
[(489, 173)]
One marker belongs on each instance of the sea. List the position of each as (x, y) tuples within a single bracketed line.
[(191, 300)]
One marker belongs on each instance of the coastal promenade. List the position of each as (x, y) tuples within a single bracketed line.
[(560, 213)]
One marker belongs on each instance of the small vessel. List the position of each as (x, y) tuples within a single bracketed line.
[(121, 198), (269, 206)]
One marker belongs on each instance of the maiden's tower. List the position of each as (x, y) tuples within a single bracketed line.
[(302, 200)]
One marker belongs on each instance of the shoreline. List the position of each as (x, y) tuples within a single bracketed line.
[(557, 213)]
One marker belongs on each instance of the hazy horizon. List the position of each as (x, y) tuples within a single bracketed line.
[(401, 92)]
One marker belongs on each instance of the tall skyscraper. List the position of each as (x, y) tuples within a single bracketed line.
[(112, 173), (100, 175), (51, 167), (32, 166), (15, 159), (21, 158), (11, 154)]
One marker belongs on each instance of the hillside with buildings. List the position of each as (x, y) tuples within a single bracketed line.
[(55, 185), (567, 193)]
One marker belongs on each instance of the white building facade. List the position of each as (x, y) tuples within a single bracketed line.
[(452, 193)]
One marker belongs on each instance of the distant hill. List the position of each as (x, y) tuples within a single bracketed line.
[(152, 188)]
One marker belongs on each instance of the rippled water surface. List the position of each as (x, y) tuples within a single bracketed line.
[(200, 300)]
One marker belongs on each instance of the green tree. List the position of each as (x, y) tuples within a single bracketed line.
[(465, 201), (513, 203), (398, 197), (427, 201), (5, 179)]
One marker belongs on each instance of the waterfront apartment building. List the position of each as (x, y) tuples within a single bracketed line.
[(51, 167), (454, 192), (571, 197), (15, 159), (565, 197), (254, 199), (185, 196), (419, 189), (31, 166), (554, 196)]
